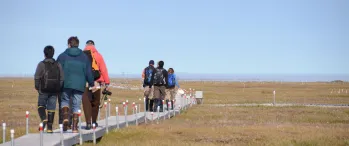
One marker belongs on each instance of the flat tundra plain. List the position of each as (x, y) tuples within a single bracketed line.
[(208, 124)]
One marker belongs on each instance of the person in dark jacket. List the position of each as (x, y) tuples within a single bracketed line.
[(47, 99), (77, 71), (148, 79), (160, 84)]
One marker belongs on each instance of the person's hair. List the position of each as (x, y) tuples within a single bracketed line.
[(73, 41), (161, 64), (49, 51), (90, 42), (170, 70)]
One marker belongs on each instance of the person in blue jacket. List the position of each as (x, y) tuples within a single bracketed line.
[(77, 71), (172, 83)]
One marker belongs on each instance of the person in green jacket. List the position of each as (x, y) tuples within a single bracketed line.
[(77, 71)]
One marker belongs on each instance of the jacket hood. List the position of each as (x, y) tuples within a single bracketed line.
[(49, 60), (73, 51), (91, 47)]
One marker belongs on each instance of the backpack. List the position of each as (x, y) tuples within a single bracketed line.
[(171, 80), (148, 75), (159, 77), (95, 69), (50, 80)]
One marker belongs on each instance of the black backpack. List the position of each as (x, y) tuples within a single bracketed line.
[(95, 72), (50, 80), (159, 77)]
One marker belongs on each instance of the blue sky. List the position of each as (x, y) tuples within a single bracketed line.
[(193, 36)]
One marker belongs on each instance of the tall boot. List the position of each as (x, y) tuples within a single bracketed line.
[(146, 104), (161, 105), (65, 111), (151, 105), (42, 114), (167, 104), (75, 123), (50, 117), (171, 104)]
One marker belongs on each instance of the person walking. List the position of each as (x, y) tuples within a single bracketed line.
[(148, 78), (172, 83), (160, 84), (77, 71)]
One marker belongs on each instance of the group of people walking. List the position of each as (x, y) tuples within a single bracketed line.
[(159, 85), (74, 78)]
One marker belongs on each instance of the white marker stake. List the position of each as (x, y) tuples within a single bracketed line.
[(136, 116), (145, 111), (106, 117), (41, 134), (94, 133), (163, 108), (125, 109), (109, 107), (27, 122), (179, 109), (12, 137), (126, 113), (133, 108), (169, 111), (61, 130), (158, 110), (80, 131), (3, 132), (139, 108), (274, 97), (152, 117), (117, 118)]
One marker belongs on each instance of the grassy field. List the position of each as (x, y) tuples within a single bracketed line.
[(207, 125)]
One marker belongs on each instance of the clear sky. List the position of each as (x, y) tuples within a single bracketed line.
[(193, 36)]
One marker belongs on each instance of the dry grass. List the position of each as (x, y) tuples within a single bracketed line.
[(233, 125)]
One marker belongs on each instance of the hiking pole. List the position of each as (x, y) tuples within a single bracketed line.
[(12, 137), (3, 132), (61, 131), (109, 107), (136, 116), (41, 134), (27, 122), (94, 133), (80, 131), (106, 118), (117, 117)]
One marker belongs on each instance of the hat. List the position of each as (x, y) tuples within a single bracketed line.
[(151, 62), (90, 42)]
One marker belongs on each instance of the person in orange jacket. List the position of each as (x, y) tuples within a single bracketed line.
[(91, 99)]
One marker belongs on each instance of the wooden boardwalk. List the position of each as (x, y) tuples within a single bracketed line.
[(69, 138)]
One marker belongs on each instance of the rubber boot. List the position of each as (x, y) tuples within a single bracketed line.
[(146, 104), (65, 111), (151, 105), (171, 104), (75, 123), (50, 117), (167, 104), (161, 105), (42, 115), (88, 126)]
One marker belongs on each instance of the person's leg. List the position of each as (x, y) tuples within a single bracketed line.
[(162, 96), (65, 98), (86, 104), (60, 113), (167, 97), (51, 108), (146, 95), (95, 106), (156, 97), (42, 102), (76, 104)]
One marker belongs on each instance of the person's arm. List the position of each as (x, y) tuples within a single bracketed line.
[(38, 74), (143, 74), (166, 77), (88, 71), (176, 81), (61, 73), (104, 71)]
